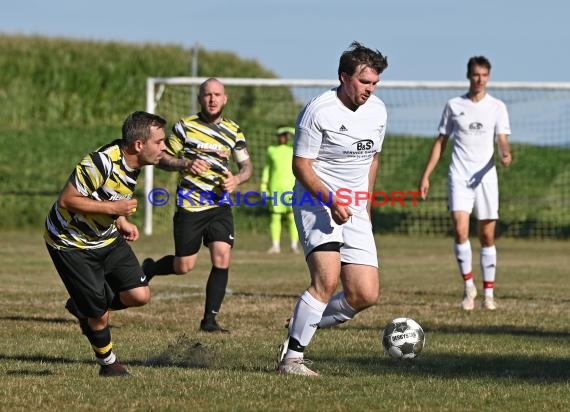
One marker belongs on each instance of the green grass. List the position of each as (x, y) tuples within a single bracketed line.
[(61, 82), (517, 358)]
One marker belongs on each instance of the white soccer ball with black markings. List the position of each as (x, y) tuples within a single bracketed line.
[(403, 338)]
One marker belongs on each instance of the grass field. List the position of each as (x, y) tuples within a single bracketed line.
[(515, 359)]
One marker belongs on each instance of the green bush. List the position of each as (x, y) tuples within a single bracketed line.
[(62, 82)]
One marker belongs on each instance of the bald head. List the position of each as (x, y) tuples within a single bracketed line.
[(212, 99)]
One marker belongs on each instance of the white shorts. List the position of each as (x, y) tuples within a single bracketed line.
[(316, 227), (482, 199)]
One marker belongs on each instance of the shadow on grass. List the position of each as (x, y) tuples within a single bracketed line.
[(445, 365), (57, 360), (28, 372), (479, 330), (37, 319), (19, 318), (183, 357), (499, 330), (183, 353)]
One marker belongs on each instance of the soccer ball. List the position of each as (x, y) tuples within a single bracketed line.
[(403, 338)]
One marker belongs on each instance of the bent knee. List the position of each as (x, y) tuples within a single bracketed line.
[(369, 301), (137, 297), (144, 300), (182, 271), (182, 267), (364, 301)]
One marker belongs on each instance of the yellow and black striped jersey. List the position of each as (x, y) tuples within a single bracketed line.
[(195, 138), (102, 175)]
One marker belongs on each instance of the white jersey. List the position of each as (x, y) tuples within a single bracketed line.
[(473, 127), (341, 141)]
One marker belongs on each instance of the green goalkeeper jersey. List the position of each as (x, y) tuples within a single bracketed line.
[(277, 175)]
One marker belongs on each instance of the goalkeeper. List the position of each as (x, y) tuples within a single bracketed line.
[(277, 178)]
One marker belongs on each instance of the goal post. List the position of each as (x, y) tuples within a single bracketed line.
[(535, 190)]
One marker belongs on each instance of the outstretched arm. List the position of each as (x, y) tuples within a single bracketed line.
[(265, 177), (372, 173), (436, 151), (505, 150)]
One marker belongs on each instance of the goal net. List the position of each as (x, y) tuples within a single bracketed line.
[(534, 191)]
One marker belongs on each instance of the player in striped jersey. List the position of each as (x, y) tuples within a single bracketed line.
[(87, 228), (199, 149)]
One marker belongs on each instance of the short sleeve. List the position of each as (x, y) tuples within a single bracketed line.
[(445, 124), (175, 142), (91, 173), (503, 125)]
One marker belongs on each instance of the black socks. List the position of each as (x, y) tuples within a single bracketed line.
[(215, 291)]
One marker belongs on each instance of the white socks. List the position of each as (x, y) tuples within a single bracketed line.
[(307, 315), (464, 260), (488, 260), (488, 268), (110, 359), (337, 311)]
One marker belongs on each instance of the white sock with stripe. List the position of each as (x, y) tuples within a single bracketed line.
[(488, 268)]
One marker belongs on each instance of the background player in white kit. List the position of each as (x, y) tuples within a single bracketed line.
[(473, 120), (339, 135)]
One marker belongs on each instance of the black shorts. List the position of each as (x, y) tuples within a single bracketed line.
[(192, 229), (93, 276)]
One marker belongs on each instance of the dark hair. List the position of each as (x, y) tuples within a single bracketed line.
[(478, 61), (137, 126), (357, 55)]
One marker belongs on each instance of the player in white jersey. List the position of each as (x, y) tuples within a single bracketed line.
[(474, 121), (338, 138)]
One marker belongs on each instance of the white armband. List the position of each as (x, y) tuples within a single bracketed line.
[(241, 155)]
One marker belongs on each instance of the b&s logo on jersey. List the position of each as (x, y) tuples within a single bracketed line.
[(365, 144), (362, 149), (476, 128)]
